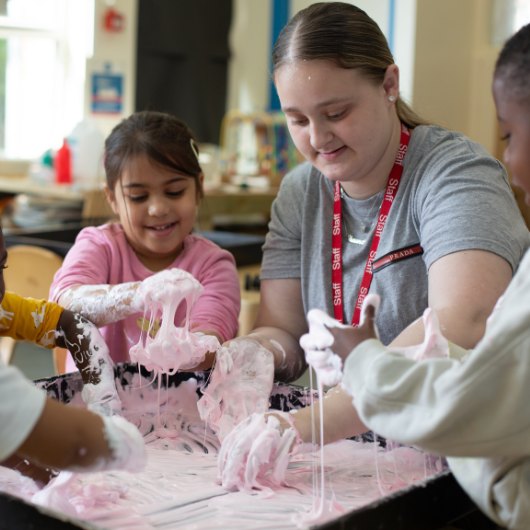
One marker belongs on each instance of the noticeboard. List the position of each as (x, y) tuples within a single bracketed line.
[(107, 90)]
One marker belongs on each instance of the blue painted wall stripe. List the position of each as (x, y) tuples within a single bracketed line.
[(281, 10), (391, 23)]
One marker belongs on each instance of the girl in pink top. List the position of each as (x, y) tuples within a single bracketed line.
[(154, 185)]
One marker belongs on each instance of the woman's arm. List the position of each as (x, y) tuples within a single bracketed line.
[(463, 289), (280, 324)]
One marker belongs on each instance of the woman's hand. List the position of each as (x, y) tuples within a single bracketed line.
[(257, 444), (240, 384), (279, 325), (347, 339)]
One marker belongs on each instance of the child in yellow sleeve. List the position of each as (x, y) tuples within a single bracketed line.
[(48, 324), (29, 319), (43, 430)]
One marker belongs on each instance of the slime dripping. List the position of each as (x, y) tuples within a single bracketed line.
[(172, 348), (178, 488)]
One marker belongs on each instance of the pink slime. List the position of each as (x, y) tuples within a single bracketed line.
[(172, 348), (178, 488)]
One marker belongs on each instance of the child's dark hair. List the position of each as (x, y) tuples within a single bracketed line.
[(164, 139), (513, 65)]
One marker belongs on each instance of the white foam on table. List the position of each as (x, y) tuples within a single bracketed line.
[(179, 486)]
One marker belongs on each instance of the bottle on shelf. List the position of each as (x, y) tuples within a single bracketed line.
[(63, 165)]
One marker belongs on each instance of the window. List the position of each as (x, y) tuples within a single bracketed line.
[(44, 45), (521, 14)]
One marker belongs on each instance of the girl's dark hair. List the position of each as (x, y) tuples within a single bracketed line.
[(513, 65), (164, 139), (345, 36)]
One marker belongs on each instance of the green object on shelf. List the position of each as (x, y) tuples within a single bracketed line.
[(47, 158)]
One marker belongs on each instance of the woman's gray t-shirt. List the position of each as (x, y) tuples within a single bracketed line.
[(453, 196)]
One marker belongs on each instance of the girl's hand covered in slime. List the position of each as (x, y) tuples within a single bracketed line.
[(172, 348)]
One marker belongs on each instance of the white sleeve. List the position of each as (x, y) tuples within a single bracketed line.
[(500, 487), (478, 408), (21, 405)]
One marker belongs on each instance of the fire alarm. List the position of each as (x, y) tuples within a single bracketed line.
[(114, 21)]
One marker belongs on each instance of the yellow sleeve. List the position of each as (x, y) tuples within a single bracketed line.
[(29, 319)]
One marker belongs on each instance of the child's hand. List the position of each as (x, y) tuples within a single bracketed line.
[(347, 339), (37, 473), (126, 445), (92, 358), (328, 343), (155, 289)]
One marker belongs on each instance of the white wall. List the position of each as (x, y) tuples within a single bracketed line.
[(248, 87), (405, 45), (248, 72), (120, 50), (455, 59)]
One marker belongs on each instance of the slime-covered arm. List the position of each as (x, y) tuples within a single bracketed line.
[(280, 324), (74, 439), (91, 356), (103, 304)]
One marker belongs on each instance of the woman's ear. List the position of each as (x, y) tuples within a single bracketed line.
[(111, 199), (391, 83)]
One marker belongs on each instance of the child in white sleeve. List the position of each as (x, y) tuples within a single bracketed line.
[(43, 431)]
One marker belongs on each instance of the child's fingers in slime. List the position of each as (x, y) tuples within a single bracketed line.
[(346, 339)]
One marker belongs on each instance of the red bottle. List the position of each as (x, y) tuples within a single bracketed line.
[(63, 165)]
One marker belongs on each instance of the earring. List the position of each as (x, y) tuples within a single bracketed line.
[(391, 98)]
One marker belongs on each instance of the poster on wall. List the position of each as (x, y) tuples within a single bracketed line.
[(107, 89)]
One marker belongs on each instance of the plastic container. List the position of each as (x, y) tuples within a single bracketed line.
[(42, 171), (87, 144)]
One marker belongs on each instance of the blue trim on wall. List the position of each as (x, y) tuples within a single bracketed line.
[(280, 16), (391, 22)]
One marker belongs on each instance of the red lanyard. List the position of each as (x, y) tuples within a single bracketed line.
[(336, 242)]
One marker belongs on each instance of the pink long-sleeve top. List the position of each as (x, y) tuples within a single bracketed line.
[(102, 255)]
